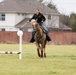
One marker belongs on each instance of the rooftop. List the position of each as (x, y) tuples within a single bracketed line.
[(25, 6)]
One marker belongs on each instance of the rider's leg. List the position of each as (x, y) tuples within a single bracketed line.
[(45, 28), (32, 39)]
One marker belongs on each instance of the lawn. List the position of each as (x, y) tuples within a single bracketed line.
[(60, 60)]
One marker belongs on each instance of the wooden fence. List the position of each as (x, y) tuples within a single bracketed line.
[(57, 37)]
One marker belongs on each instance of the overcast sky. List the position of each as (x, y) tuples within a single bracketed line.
[(64, 6), (0, 0)]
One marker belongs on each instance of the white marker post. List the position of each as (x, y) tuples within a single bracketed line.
[(20, 33)]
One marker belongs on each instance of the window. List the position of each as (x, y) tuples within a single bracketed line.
[(2, 17), (2, 29), (49, 16), (18, 13), (30, 30), (23, 14)]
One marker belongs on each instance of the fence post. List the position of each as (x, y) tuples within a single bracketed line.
[(20, 33)]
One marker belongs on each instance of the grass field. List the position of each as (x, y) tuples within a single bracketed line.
[(60, 60)]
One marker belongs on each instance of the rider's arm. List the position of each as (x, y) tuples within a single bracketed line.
[(33, 17), (43, 18)]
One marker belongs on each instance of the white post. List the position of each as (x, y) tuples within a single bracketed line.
[(20, 47), (20, 33)]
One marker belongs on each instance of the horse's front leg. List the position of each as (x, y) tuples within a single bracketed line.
[(41, 53), (41, 48), (38, 47), (44, 52)]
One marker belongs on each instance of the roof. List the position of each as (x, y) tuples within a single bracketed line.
[(24, 24), (25, 6), (64, 27)]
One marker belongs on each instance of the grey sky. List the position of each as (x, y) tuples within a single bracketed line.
[(0, 0), (65, 6)]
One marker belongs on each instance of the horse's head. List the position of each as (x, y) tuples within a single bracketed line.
[(34, 24)]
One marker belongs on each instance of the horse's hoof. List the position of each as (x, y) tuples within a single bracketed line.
[(41, 56), (45, 55)]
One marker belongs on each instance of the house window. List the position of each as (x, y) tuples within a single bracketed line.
[(49, 17), (2, 29), (23, 14), (18, 13), (30, 30), (2, 17)]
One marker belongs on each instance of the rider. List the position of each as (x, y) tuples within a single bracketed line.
[(40, 19)]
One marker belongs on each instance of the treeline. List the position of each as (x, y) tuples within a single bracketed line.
[(69, 21), (65, 19)]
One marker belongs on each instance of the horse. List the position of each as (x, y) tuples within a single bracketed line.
[(40, 38)]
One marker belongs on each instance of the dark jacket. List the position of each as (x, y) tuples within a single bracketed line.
[(39, 18)]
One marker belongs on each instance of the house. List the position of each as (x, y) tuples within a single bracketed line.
[(15, 13)]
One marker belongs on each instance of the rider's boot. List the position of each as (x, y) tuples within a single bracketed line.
[(32, 39), (48, 38)]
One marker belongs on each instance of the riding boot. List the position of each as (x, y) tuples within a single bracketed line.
[(32, 39), (48, 38)]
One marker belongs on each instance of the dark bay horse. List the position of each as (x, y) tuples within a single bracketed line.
[(40, 38)]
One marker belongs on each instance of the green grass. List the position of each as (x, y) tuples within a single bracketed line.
[(60, 60)]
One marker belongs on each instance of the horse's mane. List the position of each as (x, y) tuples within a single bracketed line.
[(41, 28)]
